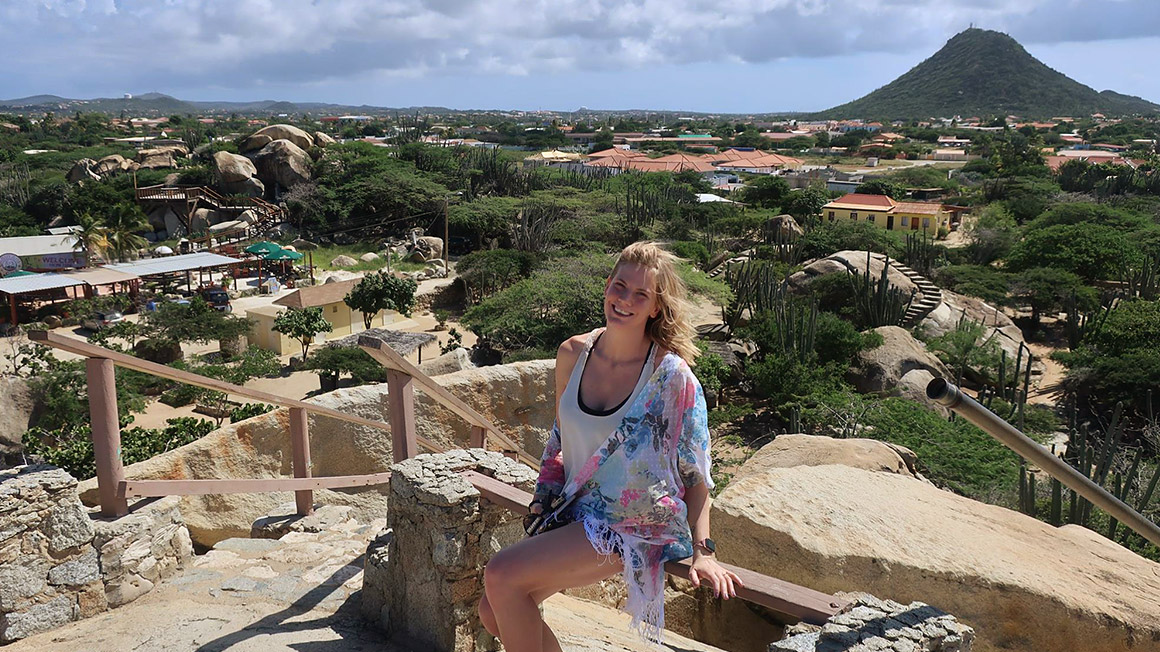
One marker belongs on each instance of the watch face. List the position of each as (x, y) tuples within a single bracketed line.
[(711, 545)]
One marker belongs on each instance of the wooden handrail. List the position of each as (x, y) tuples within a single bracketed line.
[(82, 348), (147, 488), (793, 602), (389, 358)]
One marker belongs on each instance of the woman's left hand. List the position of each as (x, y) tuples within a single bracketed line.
[(706, 569)]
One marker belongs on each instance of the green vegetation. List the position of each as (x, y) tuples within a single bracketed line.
[(302, 324), (378, 292)]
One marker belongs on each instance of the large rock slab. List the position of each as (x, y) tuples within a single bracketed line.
[(232, 168), (788, 451), (519, 398), (1020, 583), (284, 163)]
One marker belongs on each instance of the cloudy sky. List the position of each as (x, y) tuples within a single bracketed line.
[(695, 55)]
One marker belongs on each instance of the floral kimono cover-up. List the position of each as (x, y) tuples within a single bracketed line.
[(630, 493)]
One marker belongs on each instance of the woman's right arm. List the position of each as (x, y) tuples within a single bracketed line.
[(551, 480)]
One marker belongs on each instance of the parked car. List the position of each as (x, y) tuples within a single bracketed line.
[(218, 298), (102, 320)]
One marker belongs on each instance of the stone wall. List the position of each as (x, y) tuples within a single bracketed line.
[(423, 577), (58, 563), (873, 625)]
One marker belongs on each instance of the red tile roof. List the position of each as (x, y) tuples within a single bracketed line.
[(859, 200)]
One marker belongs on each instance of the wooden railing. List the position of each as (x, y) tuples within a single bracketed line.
[(793, 603), (266, 211)]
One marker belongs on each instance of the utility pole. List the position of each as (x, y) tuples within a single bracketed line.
[(446, 238)]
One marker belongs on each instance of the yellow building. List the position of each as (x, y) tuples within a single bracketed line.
[(888, 214), (329, 297)]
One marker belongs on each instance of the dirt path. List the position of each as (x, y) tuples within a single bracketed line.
[(1047, 390)]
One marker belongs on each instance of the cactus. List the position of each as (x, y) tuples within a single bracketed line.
[(921, 253), (878, 302), (1014, 391), (1080, 324), (1143, 281)]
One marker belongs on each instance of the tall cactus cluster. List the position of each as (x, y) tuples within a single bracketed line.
[(643, 204), (1104, 457), (757, 286), (878, 302), (921, 253), (783, 242), (1143, 280), (1012, 385), (1079, 323)]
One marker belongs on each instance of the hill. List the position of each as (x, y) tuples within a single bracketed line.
[(979, 73)]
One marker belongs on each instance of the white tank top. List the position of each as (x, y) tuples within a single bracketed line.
[(582, 429)]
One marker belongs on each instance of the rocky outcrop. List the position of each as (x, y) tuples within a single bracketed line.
[(1000, 328), (322, 140), (788, 451), (369, 257), (518, 398), (257, 140), (237, 175), (455, 360), (19, 409), (282, 163), (164, 156), (114, 164), (786, 227), (82, 170), (343, 261), (1020, 583), (844, 262), (901, 366)]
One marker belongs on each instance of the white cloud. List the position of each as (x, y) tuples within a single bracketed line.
[(147, 44)]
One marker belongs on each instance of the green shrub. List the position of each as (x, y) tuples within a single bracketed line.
[(71, 447), (982, 281), (841, 235), (697, 252)]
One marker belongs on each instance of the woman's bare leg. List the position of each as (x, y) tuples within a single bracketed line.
[(523, 575)]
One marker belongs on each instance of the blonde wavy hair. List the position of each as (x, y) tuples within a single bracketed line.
[(671, 327)]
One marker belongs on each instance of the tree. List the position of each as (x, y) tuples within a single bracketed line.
[(122, 225), (1092, 251), (90, 236), (806, 204), (991, 234), (1046, 288), (882, 187), (381, 291), (766, 192), (302, 324)]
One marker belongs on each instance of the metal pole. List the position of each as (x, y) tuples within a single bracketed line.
[(106, 432), (446, 237), (946, 394)]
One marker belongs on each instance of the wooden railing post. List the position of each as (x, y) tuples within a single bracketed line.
[(106, 430), (478, 437), (401, 394), (300, 444)]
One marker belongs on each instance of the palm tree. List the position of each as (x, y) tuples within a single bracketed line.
[(90, 236), (122, 225)]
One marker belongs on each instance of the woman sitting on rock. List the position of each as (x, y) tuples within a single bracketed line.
[(624, 482)]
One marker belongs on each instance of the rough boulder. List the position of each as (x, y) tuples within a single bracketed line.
[(844, 262), (19, 409), (343, 261), (114, 164), (901, 366), (322, 140), (278, 132), (1020, 583), (1000, 328), (237, 175), (283, 163), (161, 157)]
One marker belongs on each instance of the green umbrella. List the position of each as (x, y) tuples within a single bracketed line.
[(283, 254), (263, 248)]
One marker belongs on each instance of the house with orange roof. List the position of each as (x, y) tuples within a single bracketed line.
[(886, 213)]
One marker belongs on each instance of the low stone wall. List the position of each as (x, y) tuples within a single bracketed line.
[(873, 625), (423, 577), (59, 564)]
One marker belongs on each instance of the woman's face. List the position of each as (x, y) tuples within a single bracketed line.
[(630, 297)]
